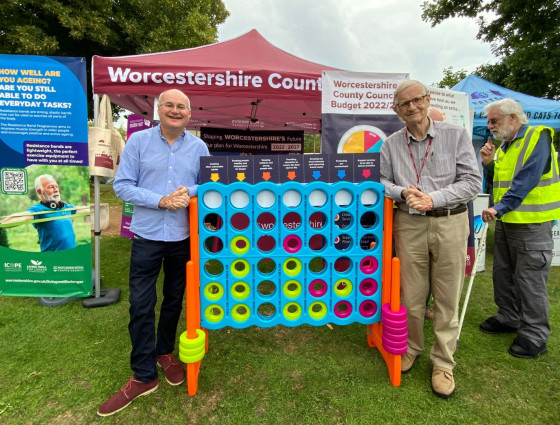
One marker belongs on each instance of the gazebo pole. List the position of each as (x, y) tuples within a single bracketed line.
[(107, 296)]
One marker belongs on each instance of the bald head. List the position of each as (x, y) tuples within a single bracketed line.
[(176, 94), (174, 111)]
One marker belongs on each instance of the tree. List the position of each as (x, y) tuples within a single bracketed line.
[(525, 36), (450, 77), (311, 143), (107, 27)]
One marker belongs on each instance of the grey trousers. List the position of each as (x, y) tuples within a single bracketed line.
[(522, 259)]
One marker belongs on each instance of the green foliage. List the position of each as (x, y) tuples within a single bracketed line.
[(312, 143), (451, 77), (107, 27), (122, 130), (59, 364), (4, 238), (524, 35), (107, 195)]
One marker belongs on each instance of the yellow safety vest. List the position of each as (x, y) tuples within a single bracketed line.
[(543, 202)]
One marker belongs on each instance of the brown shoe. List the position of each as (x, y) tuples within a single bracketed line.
[(124, 397), (443, 384), (172, 368), (407, 361)]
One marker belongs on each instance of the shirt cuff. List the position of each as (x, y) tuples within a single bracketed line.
[(154, 199), (193, 191), (500, 209), (437, 199)]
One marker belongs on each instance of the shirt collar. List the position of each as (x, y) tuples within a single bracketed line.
[(429, 134), (431, 129), (163, 139), (521, 132)]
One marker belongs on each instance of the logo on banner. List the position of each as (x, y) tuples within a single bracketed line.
[(483, 95), (68, 269), (12, 267), (36, 266), (483, 98)]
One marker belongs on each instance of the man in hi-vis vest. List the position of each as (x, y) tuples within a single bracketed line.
[(526, 202)]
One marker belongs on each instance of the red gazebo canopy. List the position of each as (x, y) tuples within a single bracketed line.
[(242, 83)]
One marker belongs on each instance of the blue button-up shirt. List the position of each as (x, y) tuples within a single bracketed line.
[(150, 169)]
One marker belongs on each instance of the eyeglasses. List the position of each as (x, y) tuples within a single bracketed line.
[(416, 100), (495, 119), (169, 105)]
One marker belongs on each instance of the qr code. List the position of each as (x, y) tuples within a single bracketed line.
[(14, 181)]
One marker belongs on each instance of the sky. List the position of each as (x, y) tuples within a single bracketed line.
[(361, 35)]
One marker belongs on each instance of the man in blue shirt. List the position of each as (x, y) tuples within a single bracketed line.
[(55, 234), (158, 172), (526, 201)]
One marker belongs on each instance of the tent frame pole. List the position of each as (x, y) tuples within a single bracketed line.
[(96, 209), (108, 296)]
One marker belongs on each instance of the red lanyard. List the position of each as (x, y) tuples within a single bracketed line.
[(418, 174)]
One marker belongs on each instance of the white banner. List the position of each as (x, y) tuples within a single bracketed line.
[(556, 240), (451, 106), (359, 93), (357, 112)]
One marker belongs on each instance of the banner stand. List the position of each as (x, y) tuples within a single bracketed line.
[(105, 297)]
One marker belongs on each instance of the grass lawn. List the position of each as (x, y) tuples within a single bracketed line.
[(58, 364)]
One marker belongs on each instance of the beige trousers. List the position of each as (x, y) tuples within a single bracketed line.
[(432, 252)]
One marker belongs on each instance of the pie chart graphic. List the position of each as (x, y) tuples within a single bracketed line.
[(360, 139)]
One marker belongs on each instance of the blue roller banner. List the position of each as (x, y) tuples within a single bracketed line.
[(45, 233)]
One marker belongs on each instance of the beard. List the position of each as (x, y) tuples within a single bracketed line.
[(55, 197), (503, 133)]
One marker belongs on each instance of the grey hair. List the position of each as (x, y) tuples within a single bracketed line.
[(507, 106), (404, 85), (38, 184)]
